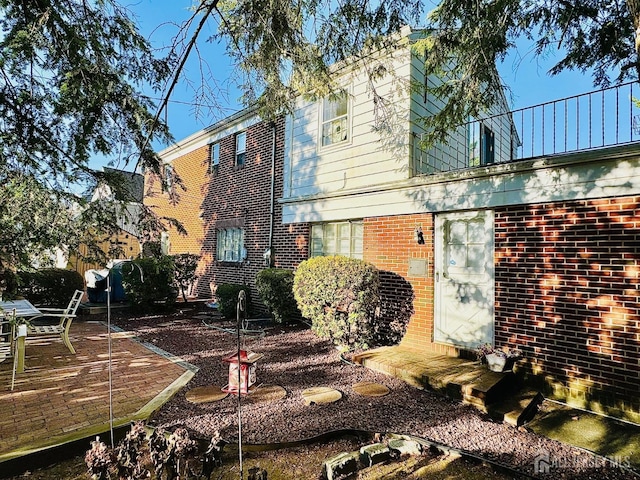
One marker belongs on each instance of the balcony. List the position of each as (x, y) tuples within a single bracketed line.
[(599, 119)]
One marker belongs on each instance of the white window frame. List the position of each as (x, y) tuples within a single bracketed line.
[(337, 238), (241, 148), (335, 126), (165, 243), (230, 245), (215, 156)]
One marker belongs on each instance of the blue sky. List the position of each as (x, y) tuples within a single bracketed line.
[(525, 74)]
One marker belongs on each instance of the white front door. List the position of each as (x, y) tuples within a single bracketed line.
[(464, 278)]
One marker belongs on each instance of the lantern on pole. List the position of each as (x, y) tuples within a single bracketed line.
[(242, 371)]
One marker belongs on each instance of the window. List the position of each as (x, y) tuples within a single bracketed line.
[(165, 243), (230, 245), (337, 238), (215, 157), (487, 155), (241, 148), (335, 120)]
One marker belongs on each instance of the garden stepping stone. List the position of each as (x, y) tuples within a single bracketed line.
[(403, 446), (317, 395), (371, 389), (210, 393), (267, 393), (342, 465), (375, 453)]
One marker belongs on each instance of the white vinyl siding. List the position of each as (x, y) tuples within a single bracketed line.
[(465, 143), (374, 151), (337, 238), (230, 245)]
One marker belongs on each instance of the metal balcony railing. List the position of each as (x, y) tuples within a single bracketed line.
[(598, 119)]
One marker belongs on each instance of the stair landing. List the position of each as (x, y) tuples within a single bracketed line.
[(460, 379)]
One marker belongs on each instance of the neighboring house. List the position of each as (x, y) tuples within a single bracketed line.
[(473, 244), (126, 240)]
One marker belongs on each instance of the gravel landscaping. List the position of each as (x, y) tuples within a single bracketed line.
[(295, 359)]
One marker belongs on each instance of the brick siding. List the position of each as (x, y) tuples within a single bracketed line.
[(243, 194), (567, 283), (389, 244), (234, 196)]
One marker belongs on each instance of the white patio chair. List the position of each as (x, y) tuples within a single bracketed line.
[(8, 341), (66, 316)]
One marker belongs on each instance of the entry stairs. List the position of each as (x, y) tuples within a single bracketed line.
[(497, 394)]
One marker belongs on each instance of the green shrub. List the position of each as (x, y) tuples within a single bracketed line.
[(227, 296), (275, 286), (340, 296), (148, 282), (49, 287)]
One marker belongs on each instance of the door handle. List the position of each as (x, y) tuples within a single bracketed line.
[(437, 276)]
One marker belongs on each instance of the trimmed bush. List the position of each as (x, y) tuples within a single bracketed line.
[(49, 287), (340, 297), (227, 296), (151, 285), (275, 286)]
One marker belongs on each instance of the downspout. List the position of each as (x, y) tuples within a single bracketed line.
[(273, 189)]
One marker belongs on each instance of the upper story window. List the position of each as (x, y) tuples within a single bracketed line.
[(241, 148), (335, 119), (337, 238), (230, 245), (215, 157)]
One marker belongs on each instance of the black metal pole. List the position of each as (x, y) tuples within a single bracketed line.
[(240, 308)]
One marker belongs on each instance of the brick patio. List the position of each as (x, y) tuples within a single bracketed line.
[(61, 397)]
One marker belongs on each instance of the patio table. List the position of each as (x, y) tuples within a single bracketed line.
[(24, 309)]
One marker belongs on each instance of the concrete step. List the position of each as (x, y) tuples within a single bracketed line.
[(460, 379), (517, 408)]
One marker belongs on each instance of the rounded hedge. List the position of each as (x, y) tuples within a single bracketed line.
[(275, 287), (340, 296)]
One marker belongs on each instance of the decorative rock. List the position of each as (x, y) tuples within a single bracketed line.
[(401, 446), (207, 394), (341, 465), (374, 453), (267, 393), (370, 389), (317, 395)]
